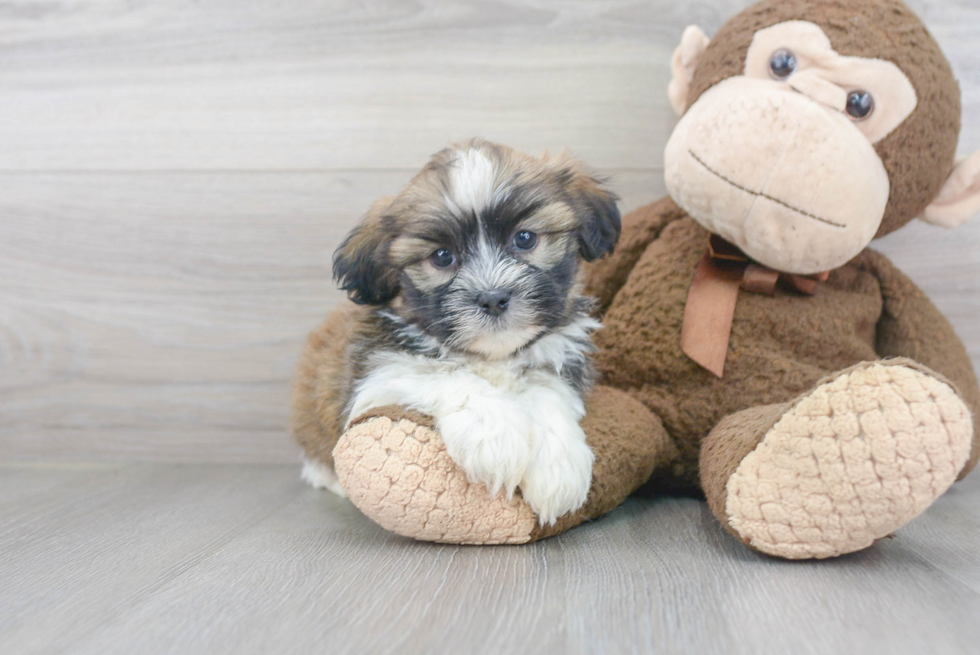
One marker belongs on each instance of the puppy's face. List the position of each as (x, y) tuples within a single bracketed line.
[(481, 250)]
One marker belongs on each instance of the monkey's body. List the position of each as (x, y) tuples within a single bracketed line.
[(781, 346)]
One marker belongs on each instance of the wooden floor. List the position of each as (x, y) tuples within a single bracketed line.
[(188, 559)]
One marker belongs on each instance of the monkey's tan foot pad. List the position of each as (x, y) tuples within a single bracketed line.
[(851, 462), (399, 474)]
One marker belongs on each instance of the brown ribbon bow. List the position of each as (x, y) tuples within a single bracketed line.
[(710, 307)]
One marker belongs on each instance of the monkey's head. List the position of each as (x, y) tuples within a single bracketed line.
[(810, 127)]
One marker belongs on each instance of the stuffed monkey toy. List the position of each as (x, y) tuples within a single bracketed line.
[(754, 348)]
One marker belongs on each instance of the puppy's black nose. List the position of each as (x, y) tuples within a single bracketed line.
[(494, 302)]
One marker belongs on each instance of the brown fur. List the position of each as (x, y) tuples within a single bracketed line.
[(728, 444), (911, 326), (322, 378), (395, 413)]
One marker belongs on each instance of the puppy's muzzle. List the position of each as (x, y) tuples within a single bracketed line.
[(494, 302)]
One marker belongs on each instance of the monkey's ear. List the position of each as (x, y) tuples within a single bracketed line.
[(360, 264), (959, 199), (682, 65)]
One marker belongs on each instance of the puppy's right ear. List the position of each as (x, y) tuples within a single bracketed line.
[(360, 264), (600, 223)]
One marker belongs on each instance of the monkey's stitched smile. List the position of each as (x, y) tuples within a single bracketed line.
[(763, 195)]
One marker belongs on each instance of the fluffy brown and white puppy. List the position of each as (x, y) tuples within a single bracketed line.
[(472, 313)]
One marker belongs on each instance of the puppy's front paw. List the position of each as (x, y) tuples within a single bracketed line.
[(558, 478), (490, 443)]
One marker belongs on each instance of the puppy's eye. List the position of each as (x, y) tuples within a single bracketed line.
[(783, 64), (525, 240), (860, 105), (443, 258)]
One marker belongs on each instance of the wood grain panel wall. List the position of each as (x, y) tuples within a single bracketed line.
[(174, 176)]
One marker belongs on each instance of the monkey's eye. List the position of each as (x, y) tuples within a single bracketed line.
[(443, 258), (525, 240), (860, 105), (783, 64)]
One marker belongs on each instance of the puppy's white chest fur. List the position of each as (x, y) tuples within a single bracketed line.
[(508, 423)]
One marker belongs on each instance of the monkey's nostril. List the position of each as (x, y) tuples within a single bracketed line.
[(494, 302)]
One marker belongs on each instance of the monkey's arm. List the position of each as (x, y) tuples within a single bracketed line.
[(911, 326), (605, 277), (322, 383)]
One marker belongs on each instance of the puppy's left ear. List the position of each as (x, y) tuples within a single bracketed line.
[(360, 264), (599, 220)]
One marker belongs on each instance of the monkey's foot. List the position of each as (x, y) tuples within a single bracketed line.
[(399, 474), (850, 462)]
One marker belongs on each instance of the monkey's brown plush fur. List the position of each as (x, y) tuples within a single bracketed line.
[(840, 416)]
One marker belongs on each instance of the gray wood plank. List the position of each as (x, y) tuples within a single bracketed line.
[(258, 85), (206, 559), (948, 535), (24, 480), (328, 85), (75, 557)]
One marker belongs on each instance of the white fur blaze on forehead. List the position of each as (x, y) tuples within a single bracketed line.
[(472, 176)]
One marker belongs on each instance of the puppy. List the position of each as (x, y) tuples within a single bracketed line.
[(470, 311)]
